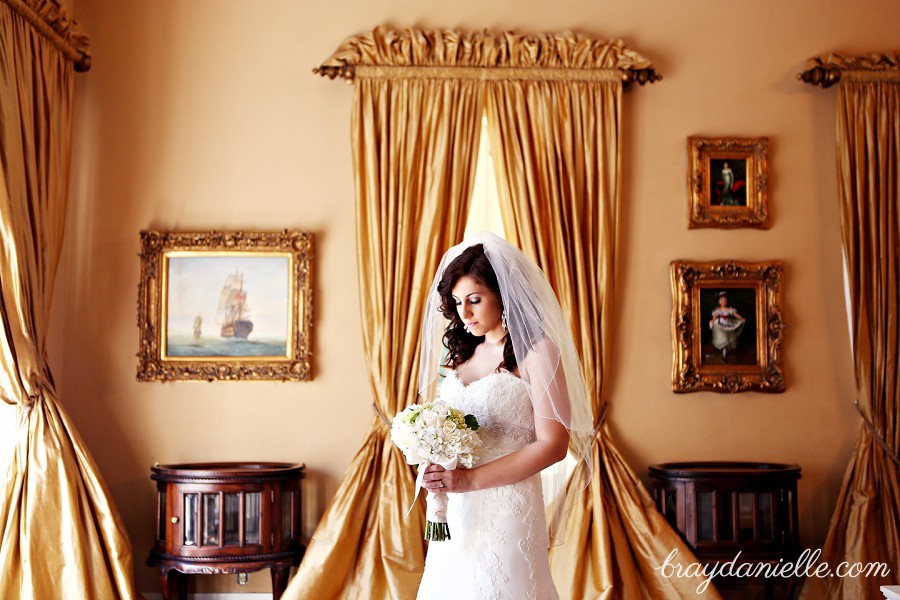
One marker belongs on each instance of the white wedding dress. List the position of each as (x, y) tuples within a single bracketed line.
[(498, 545)]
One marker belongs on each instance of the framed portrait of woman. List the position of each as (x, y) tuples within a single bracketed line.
[(727, 329), (728, 182)]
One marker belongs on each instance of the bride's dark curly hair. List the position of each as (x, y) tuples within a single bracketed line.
[(460, 343)]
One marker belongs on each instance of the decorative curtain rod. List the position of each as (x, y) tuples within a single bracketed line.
[(60, 29), (829, 69), (350, 73), (482, 55)]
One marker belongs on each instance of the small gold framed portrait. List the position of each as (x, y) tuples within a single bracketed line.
[(727, 328), (728, 182), (225, 306)]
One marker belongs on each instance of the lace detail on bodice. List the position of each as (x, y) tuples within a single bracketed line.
[(501, 403)]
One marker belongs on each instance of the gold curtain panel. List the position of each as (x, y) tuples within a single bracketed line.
[(865, 527), (414, 144), (556, 154), (60, 533)]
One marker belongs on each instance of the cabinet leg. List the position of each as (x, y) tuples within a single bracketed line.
[(279, 580), (181, 578), (167, 583)]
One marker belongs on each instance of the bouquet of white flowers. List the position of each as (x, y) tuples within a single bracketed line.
[(434, 433)]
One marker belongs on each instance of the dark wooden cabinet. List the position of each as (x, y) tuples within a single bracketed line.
[(722, 508), (226, 518)]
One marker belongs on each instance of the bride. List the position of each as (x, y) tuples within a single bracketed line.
[(493, 321)]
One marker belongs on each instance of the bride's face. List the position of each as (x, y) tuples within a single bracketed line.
[(478, 307)]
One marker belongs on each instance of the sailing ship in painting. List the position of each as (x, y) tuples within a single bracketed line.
[(233, 308), (232, 333)]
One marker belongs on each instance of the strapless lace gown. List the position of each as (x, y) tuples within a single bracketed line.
[(498, 545)]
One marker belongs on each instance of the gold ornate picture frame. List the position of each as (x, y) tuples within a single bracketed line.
[(226, 306), (728, 182), (727, 328)]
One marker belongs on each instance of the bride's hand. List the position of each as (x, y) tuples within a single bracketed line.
[(439, 479)]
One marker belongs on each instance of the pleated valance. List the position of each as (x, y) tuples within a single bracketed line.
[(53, 21), (828, 69), (450, 53)]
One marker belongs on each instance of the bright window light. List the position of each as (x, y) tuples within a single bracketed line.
[(484, 207)]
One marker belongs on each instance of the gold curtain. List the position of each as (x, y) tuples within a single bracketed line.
[(61, 534), (865, 527), (415, 142), (556, 152)]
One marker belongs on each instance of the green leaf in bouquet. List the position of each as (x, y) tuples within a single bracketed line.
[(413, 414), (471, 422)]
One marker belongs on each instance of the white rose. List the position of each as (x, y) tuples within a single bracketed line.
[(429, 419), (403, 438), (411, 456)]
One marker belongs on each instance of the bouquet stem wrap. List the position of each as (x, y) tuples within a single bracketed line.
[(436, 528)]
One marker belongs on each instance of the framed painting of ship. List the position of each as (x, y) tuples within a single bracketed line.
[(225, 306)]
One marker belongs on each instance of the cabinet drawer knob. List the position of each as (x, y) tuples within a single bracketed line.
[(174, 519)]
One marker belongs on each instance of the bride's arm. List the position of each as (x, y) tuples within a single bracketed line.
[(550, 402), (549, 448)]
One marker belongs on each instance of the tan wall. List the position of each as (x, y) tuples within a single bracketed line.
[(203, 114)]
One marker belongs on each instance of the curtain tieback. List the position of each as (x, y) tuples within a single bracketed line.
[(24, 412), (378, 413), (878, 437), (602, 419)]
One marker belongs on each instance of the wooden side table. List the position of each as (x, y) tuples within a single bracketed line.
[(215, 518)]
